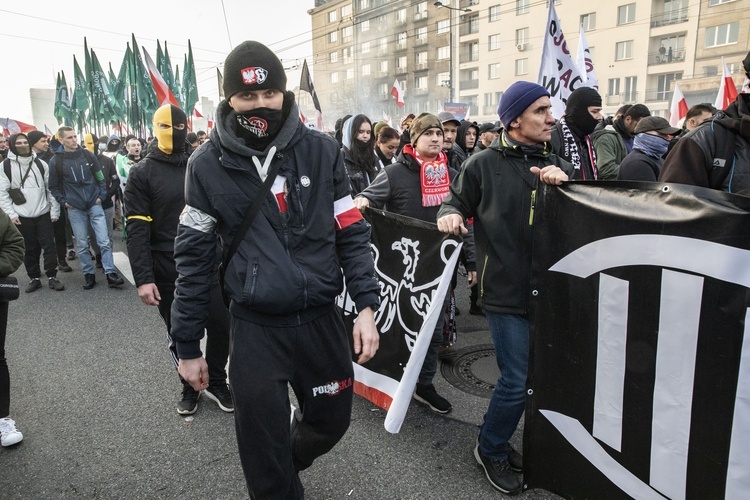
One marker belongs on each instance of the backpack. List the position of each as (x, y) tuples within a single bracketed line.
[(7, 169)]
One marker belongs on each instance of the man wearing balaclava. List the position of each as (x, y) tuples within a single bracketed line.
[(112, 183), (283, 279), (154, 198), (33, 212), (570, 135)]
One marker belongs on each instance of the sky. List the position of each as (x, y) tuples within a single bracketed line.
[(39, 38)]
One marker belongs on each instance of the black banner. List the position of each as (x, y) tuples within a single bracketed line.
[(639, 376)]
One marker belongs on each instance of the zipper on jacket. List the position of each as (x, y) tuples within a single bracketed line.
[(299, 202), (255, 280), (481, 281), (531, 210)]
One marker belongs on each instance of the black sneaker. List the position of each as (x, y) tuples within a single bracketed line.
[(72, 254), (499, 473), (55, 284), (476, 311), (90, 281), (515, 460), (221, 396), (34, 285), (428, 395), (64, 268), (189, 403), (114, 280)]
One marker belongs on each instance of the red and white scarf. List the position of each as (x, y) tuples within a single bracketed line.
[(433, 177)]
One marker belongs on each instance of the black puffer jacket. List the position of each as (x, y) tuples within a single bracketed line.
[(287, 269), (498, 190)]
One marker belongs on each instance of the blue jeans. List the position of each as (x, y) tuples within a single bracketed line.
[(79, 222), (510, 334)]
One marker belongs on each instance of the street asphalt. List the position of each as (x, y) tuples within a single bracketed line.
[(94, 392)]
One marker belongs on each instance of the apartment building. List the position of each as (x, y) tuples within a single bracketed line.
[(469, 51)]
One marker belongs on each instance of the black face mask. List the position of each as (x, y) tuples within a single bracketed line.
[(582, 120), (258, 127)]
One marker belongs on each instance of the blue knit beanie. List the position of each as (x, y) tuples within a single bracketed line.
[(516, 99)]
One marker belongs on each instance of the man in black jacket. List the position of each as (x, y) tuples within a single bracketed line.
[(498, 187), (283, 280), (643, 163), (155, 196)]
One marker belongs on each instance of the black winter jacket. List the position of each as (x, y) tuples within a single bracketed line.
[(288, 268), (497, 189), (558, 147), (82, 179), (111, 179), (638, 166)]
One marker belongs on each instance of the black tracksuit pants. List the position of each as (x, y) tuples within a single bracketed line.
[(38, 236), (315, 359)]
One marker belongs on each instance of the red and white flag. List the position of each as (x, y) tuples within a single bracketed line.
[(197, 113), (679, 108), (398, 94), (163, 93), (11, 126), (727, 89)]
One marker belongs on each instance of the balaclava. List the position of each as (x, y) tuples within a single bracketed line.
[(577, 112), (90, 141), (170, 140), (113, 143), (253, 66), (19, 150)]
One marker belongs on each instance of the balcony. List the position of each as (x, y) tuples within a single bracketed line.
[(489, 109), (668, 55), (468, 84), (613, 100), (401, 46), (656, 95), (629, 97), (401, 70), (420, 16), (667, 18), (420, 41), (419, 91)]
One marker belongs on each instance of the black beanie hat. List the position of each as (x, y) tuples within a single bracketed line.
[(34, 136), (252, 66)]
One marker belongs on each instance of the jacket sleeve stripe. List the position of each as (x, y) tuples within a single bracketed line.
[(195, 219), (139, 217), (345, 212)]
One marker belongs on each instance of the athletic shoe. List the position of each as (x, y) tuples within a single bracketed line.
[(515, 460), (71, 254), (9, 435), (90, 281), (55, 284), (34, 285), (114, 280), (189, 403), (499, 473), (428, 395), (64, 268), (221, 396), (476, 311)]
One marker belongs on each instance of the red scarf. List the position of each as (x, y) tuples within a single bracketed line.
[(433, 177)]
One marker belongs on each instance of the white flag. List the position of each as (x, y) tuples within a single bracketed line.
[(678, 108), (585, 64), (558, 72)]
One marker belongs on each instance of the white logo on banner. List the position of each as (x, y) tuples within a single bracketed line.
[(679, 319)]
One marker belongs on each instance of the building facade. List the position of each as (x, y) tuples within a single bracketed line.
[(469, 51)]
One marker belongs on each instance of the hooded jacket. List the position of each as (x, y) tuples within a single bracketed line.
[(498, 190), (610, 151), (82, 180), (288, 268), (461, 137), (39, 199)]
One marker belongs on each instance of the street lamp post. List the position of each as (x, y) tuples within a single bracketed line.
[(439, 4)]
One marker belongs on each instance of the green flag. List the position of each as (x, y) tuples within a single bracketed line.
[(94, 111), (189, 84), (168, 75), (177, 87), (62, 101), (146, 94), (109, 107), (80, 96)]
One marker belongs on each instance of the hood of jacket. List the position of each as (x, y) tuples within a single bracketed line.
[(178, 159), (23, 160)]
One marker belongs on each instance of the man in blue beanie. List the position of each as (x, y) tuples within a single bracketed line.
[(497, 187)]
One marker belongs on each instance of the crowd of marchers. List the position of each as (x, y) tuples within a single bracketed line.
[(237, 225)]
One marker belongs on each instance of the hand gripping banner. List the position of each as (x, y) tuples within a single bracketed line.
[(639, 375)]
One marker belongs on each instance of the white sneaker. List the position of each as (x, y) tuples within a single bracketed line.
[(9, 435)]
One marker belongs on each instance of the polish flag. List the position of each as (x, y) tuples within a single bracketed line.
[(679, 108), (398, 94), (163, 94), (197, 113), (727, 89), (11, 126)]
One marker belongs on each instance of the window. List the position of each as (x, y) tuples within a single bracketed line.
[(335, 77), (401, 62), (724, 34), (494, 42), (366, 70), (347, 55), (711, 3), (383, 67), (422, 34), (489, 99), (473, 24), (333, 57), (421, 58), (383, 89), (664, 85), (347, 33), (495, 71), (401, 16), (498, 96), (421, 10), (442, 79), (522, 36), (474, 51), (631, 95), (443, 52), (443, 26), (350, 73), (494, 13), (522, 6), (420, 82), (364, 25), (626, 14), (346, 10), (589, 21), (613, 86), (710, 70), (624, 50), (522, 66), (332, 16), (402, 39), (364, 4), (333, 36), (365, 47)]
